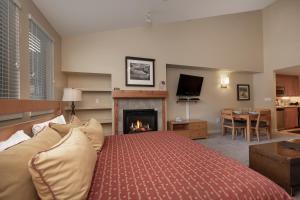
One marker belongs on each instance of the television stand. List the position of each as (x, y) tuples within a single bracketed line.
[(193, 129), (184, 100)]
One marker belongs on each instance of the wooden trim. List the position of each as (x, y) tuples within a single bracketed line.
[(163, 116), (116, 116), (13, 106), (140, 94)]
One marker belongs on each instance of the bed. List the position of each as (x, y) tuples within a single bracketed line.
[(158, 165), (163, 165)]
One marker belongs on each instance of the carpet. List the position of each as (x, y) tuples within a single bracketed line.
[(238, 149)]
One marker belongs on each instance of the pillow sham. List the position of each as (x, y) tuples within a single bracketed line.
[(94, 131), (15, 179), (64, 171), (36, 128), (63, 129), (14, 139)]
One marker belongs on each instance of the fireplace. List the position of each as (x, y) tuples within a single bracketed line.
[(139, 120)]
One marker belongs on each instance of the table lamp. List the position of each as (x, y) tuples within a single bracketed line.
[(72, 94)]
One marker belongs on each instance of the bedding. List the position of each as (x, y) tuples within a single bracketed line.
[(94, 131), (36, 128), (163, 165), (63, 129), (65, 170), (16, 138), (15, 180)]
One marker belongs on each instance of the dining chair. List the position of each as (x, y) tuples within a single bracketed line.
[(262, 121), (228, 121)]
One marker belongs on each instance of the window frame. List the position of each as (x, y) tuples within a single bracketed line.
[(16, 49), (52, 59)]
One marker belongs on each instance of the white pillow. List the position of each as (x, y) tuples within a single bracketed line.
[(14, 139), (36, 128)]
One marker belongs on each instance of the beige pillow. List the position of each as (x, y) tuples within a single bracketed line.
[(64, 171), (63, 129), (15, 180), (94, 131), (36, 128)]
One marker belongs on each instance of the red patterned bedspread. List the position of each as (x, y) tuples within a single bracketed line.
[(163, 165)]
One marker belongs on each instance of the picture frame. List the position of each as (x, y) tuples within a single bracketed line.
[(140, 71), (243, 92)]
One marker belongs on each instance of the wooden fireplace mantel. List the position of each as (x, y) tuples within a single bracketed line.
[(127, 94), (139, 94)]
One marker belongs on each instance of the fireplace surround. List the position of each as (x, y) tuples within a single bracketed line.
[(139, 99), (139, 120)]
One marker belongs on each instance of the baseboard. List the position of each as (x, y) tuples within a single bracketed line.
[(214, 131)]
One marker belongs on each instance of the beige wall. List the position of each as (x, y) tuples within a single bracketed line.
[(281, 46), (229, 41), (28, 7), (213, 97)]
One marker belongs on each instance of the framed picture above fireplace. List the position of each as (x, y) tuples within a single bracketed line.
[(140, 71)]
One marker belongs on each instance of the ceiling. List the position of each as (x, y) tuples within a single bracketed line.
[(72, 17)]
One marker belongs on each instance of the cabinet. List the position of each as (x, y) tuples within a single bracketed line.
[(193, 129), (290, 84), (290, 117)]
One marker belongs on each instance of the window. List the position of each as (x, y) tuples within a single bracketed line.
[(9, 50), (41, 62)]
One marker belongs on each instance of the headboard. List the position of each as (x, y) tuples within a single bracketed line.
[(26, 107)]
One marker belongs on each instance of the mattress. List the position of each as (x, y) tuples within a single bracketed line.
[(163, 165)]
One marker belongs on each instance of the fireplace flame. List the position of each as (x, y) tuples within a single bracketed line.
[(139, 124), (139, 127)]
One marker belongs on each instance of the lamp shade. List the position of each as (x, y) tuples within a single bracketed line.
[(71, 94)]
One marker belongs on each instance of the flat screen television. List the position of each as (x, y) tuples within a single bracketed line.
[(189, 85)]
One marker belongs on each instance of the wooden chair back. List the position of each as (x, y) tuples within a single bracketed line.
[(26, 107), (263, 115), (227, 114)]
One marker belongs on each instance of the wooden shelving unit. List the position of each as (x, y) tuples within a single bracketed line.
[(96, 97)]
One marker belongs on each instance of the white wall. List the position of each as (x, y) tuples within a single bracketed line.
[(281, 31), (229, 41), (213, 97), (281, 47)]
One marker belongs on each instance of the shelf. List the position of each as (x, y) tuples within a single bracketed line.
[(105, 121), (139, 94), (102, 121), (94, 90), (187, 100), (91, 108)]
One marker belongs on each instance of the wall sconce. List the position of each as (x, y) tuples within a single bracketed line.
[(224, 81)]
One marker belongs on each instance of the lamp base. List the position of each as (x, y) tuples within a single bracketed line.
[(73, 108)]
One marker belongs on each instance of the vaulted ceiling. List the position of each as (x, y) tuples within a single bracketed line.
[(72, 17)]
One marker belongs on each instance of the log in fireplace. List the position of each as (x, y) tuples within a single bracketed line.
[(139, 120)]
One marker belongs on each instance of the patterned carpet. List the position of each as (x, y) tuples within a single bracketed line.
[(239, 149)]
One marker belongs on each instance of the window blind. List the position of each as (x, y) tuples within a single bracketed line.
[(41, 62), (9, 50)]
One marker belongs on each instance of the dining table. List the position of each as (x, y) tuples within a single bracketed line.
[(248, 117)]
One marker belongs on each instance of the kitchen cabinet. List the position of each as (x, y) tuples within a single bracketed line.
[(290, 117), (289, 83)]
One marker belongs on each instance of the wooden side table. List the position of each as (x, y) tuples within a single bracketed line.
[(193, 129)]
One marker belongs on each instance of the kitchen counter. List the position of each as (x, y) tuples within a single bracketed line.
[(290, 106)]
